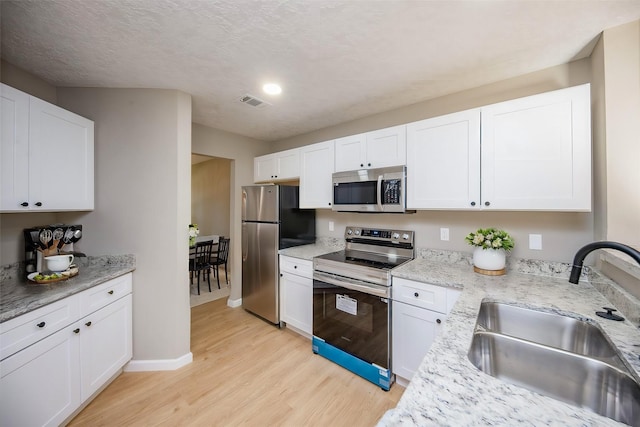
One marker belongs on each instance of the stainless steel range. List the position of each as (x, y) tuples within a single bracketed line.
[(351, 291)]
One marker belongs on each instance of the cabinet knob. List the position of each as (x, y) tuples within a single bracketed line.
[(329, 203), (438, 321), (295, 266), (38, 203), (487, 203), (361, 165), (110, 292), (473, 203), (76, 331), (25, 204), (368, 164), (281, 275), (415, 294), (41, 325), (88, 323)]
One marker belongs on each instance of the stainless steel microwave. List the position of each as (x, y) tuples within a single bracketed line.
[(371, 190)]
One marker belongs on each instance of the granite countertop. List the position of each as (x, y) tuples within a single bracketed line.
[(321, 247), (448, 390), (19, 295)]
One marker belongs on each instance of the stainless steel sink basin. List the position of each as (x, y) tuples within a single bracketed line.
[(550, 329), (557, 356)]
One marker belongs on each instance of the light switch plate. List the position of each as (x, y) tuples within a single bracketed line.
[(535, 242), (331, 226), (444, 234)]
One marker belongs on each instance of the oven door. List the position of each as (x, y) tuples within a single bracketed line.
[(353, 317)]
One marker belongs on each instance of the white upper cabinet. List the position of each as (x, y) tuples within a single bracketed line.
[(376, 149), (443, 162), (47, 156), (536, 152), (531, 153), (284, 165), (316, 168)]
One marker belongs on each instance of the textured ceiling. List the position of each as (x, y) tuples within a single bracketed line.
[(336, 60)]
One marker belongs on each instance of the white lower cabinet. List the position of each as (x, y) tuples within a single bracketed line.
[(418, 313), (42, 384), (296, 294)]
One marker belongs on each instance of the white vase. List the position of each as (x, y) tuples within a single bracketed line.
[(489, 259)]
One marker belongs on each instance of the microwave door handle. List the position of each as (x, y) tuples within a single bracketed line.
[(380, 192)]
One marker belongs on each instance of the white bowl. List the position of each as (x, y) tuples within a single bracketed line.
[(58, 263)]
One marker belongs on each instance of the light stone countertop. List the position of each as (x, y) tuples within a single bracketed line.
[(448, 390), (19, 295), (321, 247)]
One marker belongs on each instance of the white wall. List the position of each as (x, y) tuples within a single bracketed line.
[(210, 196), (143, 203), (562, 232), (241, 150)]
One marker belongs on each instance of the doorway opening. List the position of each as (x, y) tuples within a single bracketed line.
[(210, 210)]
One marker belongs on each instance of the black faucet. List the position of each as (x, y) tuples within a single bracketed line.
[(576, 269)]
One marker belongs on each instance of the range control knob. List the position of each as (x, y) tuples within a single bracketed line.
[(396, 236), (357, 232), (349, 231), (405, 236)]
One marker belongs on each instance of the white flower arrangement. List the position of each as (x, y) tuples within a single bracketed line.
[(490, 238), (193, 233)]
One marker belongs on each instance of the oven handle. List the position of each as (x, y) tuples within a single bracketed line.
[(353, 284), (380, 192)]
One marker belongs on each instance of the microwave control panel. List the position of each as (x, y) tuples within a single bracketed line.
[(391, 190)]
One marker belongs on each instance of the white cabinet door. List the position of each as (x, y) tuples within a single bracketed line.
[(414, 330), (376, 149), (39, 386), (536, 152), (288, 164), (61, 161), (350, 153), (14, 150), (387, 147), (296, 294), (284, 165), (47, 156), (316, 168), (264, 168), (105, 344), (443, 162)]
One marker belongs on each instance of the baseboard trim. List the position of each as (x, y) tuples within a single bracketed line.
[(233, 303), (159, 365)]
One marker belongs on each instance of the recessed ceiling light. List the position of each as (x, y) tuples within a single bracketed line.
[(272, 89)]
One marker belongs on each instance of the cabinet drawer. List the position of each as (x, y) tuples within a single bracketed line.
[(420, 294), (22, 331), (99, 296), (300, 267)]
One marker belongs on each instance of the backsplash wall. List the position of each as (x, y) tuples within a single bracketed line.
[(563, 233)]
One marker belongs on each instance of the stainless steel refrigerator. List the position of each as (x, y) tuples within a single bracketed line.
[(271, 220)]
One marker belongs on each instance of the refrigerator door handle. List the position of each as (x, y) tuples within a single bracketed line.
[(245, 244)]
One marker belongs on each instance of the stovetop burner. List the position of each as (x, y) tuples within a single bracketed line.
[(369, 255)]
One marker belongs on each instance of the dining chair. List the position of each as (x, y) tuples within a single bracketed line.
[(222, 258), (200, 262)]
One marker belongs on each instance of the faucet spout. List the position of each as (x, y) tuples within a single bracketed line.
[(582, 253)]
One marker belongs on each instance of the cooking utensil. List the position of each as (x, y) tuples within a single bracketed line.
[(45, 237), (68, 235), (77, 234), (57, 234)]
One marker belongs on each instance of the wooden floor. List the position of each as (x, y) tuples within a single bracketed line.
[(245, 372)]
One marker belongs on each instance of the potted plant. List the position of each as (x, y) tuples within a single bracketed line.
[(491, 246)]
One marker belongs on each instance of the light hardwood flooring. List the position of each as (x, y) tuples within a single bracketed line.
[(245, 372)]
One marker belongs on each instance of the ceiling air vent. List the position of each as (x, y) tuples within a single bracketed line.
[(253, 101)]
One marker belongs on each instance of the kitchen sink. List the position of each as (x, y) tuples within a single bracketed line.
[(554, 330), (557, 356)]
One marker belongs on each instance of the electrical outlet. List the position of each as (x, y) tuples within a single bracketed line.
[(331, 225), (444, 234), (535, 242)]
